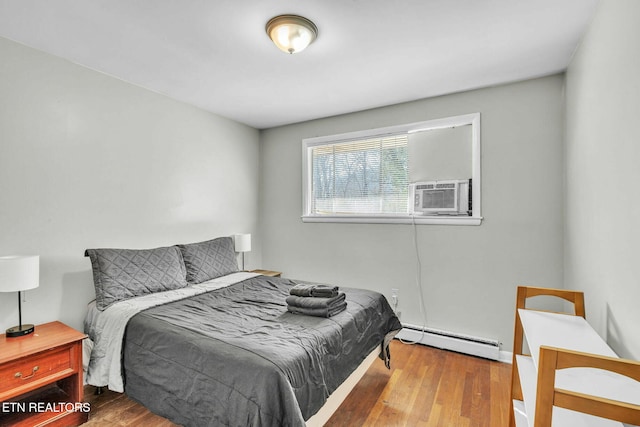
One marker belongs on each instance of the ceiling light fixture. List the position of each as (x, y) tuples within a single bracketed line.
[(291, 33)]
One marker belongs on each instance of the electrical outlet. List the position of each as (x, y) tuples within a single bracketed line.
[(394, 300)]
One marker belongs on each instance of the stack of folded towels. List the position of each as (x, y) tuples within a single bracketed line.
[(316, 300)]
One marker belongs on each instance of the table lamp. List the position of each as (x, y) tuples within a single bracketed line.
[(242, 244), (19, 273)]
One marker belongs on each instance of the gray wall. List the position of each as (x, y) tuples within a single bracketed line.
[(469, 273), (602, 173), (87, 160)]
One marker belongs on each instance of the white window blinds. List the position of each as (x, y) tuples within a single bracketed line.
[(367, 176)]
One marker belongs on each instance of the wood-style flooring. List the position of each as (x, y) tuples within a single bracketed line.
[(425, 387)]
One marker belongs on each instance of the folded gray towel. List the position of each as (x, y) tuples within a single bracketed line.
[(314, 290), (316, 302), (318, 312)]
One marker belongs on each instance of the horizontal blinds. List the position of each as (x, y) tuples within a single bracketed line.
[(368, 176)]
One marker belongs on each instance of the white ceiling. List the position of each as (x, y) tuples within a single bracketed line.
[(216, 55)]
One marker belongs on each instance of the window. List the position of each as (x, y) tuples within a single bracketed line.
[(362, 176), (365, 176)]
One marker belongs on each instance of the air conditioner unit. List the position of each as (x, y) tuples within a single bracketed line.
[(447, 197)]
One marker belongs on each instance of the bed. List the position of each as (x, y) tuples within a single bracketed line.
[(224, 351)]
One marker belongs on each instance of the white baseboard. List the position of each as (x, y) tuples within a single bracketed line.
[(481, 347), (506, 357)]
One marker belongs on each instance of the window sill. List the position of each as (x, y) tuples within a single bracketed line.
[(402, 219)]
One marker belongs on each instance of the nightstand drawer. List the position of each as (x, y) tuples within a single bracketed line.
[(36, 369)]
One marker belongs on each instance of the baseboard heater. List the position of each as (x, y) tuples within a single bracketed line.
[(481, 347)]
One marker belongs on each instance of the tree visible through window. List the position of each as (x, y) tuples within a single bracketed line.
[(367, 176)]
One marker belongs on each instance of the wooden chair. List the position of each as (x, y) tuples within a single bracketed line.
[(551, 359), (523, 293), (548, 395)]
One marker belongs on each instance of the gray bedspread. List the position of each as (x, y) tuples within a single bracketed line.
[(236, 357)]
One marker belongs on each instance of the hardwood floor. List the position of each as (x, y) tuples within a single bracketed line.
[(112, 409), (429, 387), (425, 387)]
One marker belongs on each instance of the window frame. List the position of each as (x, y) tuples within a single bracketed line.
[(472, 119)]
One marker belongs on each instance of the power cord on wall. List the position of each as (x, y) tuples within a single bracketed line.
[(394, 298)]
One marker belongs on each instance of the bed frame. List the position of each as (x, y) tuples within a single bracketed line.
[(340, 394)]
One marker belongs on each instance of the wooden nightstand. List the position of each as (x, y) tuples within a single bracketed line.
[(268, 273), (41, 378)]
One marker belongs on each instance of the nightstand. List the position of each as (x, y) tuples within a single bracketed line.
[(267, 273), (41, 378)]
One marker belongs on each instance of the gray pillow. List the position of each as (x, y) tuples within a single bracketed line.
[(120, 274), (210, 259)]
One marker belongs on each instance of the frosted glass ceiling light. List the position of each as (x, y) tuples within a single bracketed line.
[(291, 33)]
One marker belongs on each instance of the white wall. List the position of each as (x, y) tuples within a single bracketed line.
[(440, 154), (87, 160), (603, 172), (469, 272)]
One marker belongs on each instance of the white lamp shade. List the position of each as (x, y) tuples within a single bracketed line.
[(19, 273), (243, 242)]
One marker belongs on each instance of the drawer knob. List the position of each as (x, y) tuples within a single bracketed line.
[(33, 372)]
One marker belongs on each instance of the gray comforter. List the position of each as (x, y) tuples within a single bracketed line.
[(236, 357)]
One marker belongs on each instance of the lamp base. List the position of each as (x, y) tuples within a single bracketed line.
[(19, 331)]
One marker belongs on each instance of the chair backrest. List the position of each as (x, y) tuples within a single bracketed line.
[(523, 293)]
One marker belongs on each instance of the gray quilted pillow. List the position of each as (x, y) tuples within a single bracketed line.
[(120, 274), (210, 259)]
